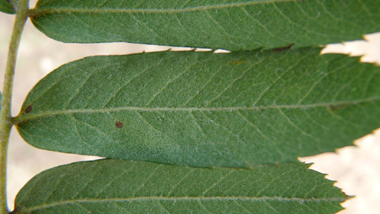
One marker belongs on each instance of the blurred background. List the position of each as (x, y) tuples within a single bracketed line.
[(356, 169)]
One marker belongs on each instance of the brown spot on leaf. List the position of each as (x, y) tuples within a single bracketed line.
[(238, 62), (119, 124), (334, 108), (28, 109), (283, 48)]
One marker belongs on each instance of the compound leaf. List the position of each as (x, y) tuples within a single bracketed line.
[(204, 109), (232, 24), (119, 186)]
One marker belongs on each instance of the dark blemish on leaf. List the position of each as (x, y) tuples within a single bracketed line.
[(238, 62), (283, 48), (119, 124), (334, 108), (28, 109)]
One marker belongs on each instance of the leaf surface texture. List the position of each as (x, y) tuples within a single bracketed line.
[(231, 24), (204, 109), (6, 7), (117, 186)]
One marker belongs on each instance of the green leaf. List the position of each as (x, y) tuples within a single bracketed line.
[(6, 7), (204, 109), (117, 186), (232, 24)]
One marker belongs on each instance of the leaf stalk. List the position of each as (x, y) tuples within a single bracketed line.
[(21, 7)]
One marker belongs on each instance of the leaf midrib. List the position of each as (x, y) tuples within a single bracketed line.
[(38, 12), (25, 117), (185, 198)]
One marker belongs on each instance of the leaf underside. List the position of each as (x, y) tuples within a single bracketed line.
[(6, 7), (204, 109), (119, 186), (232, 25)]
